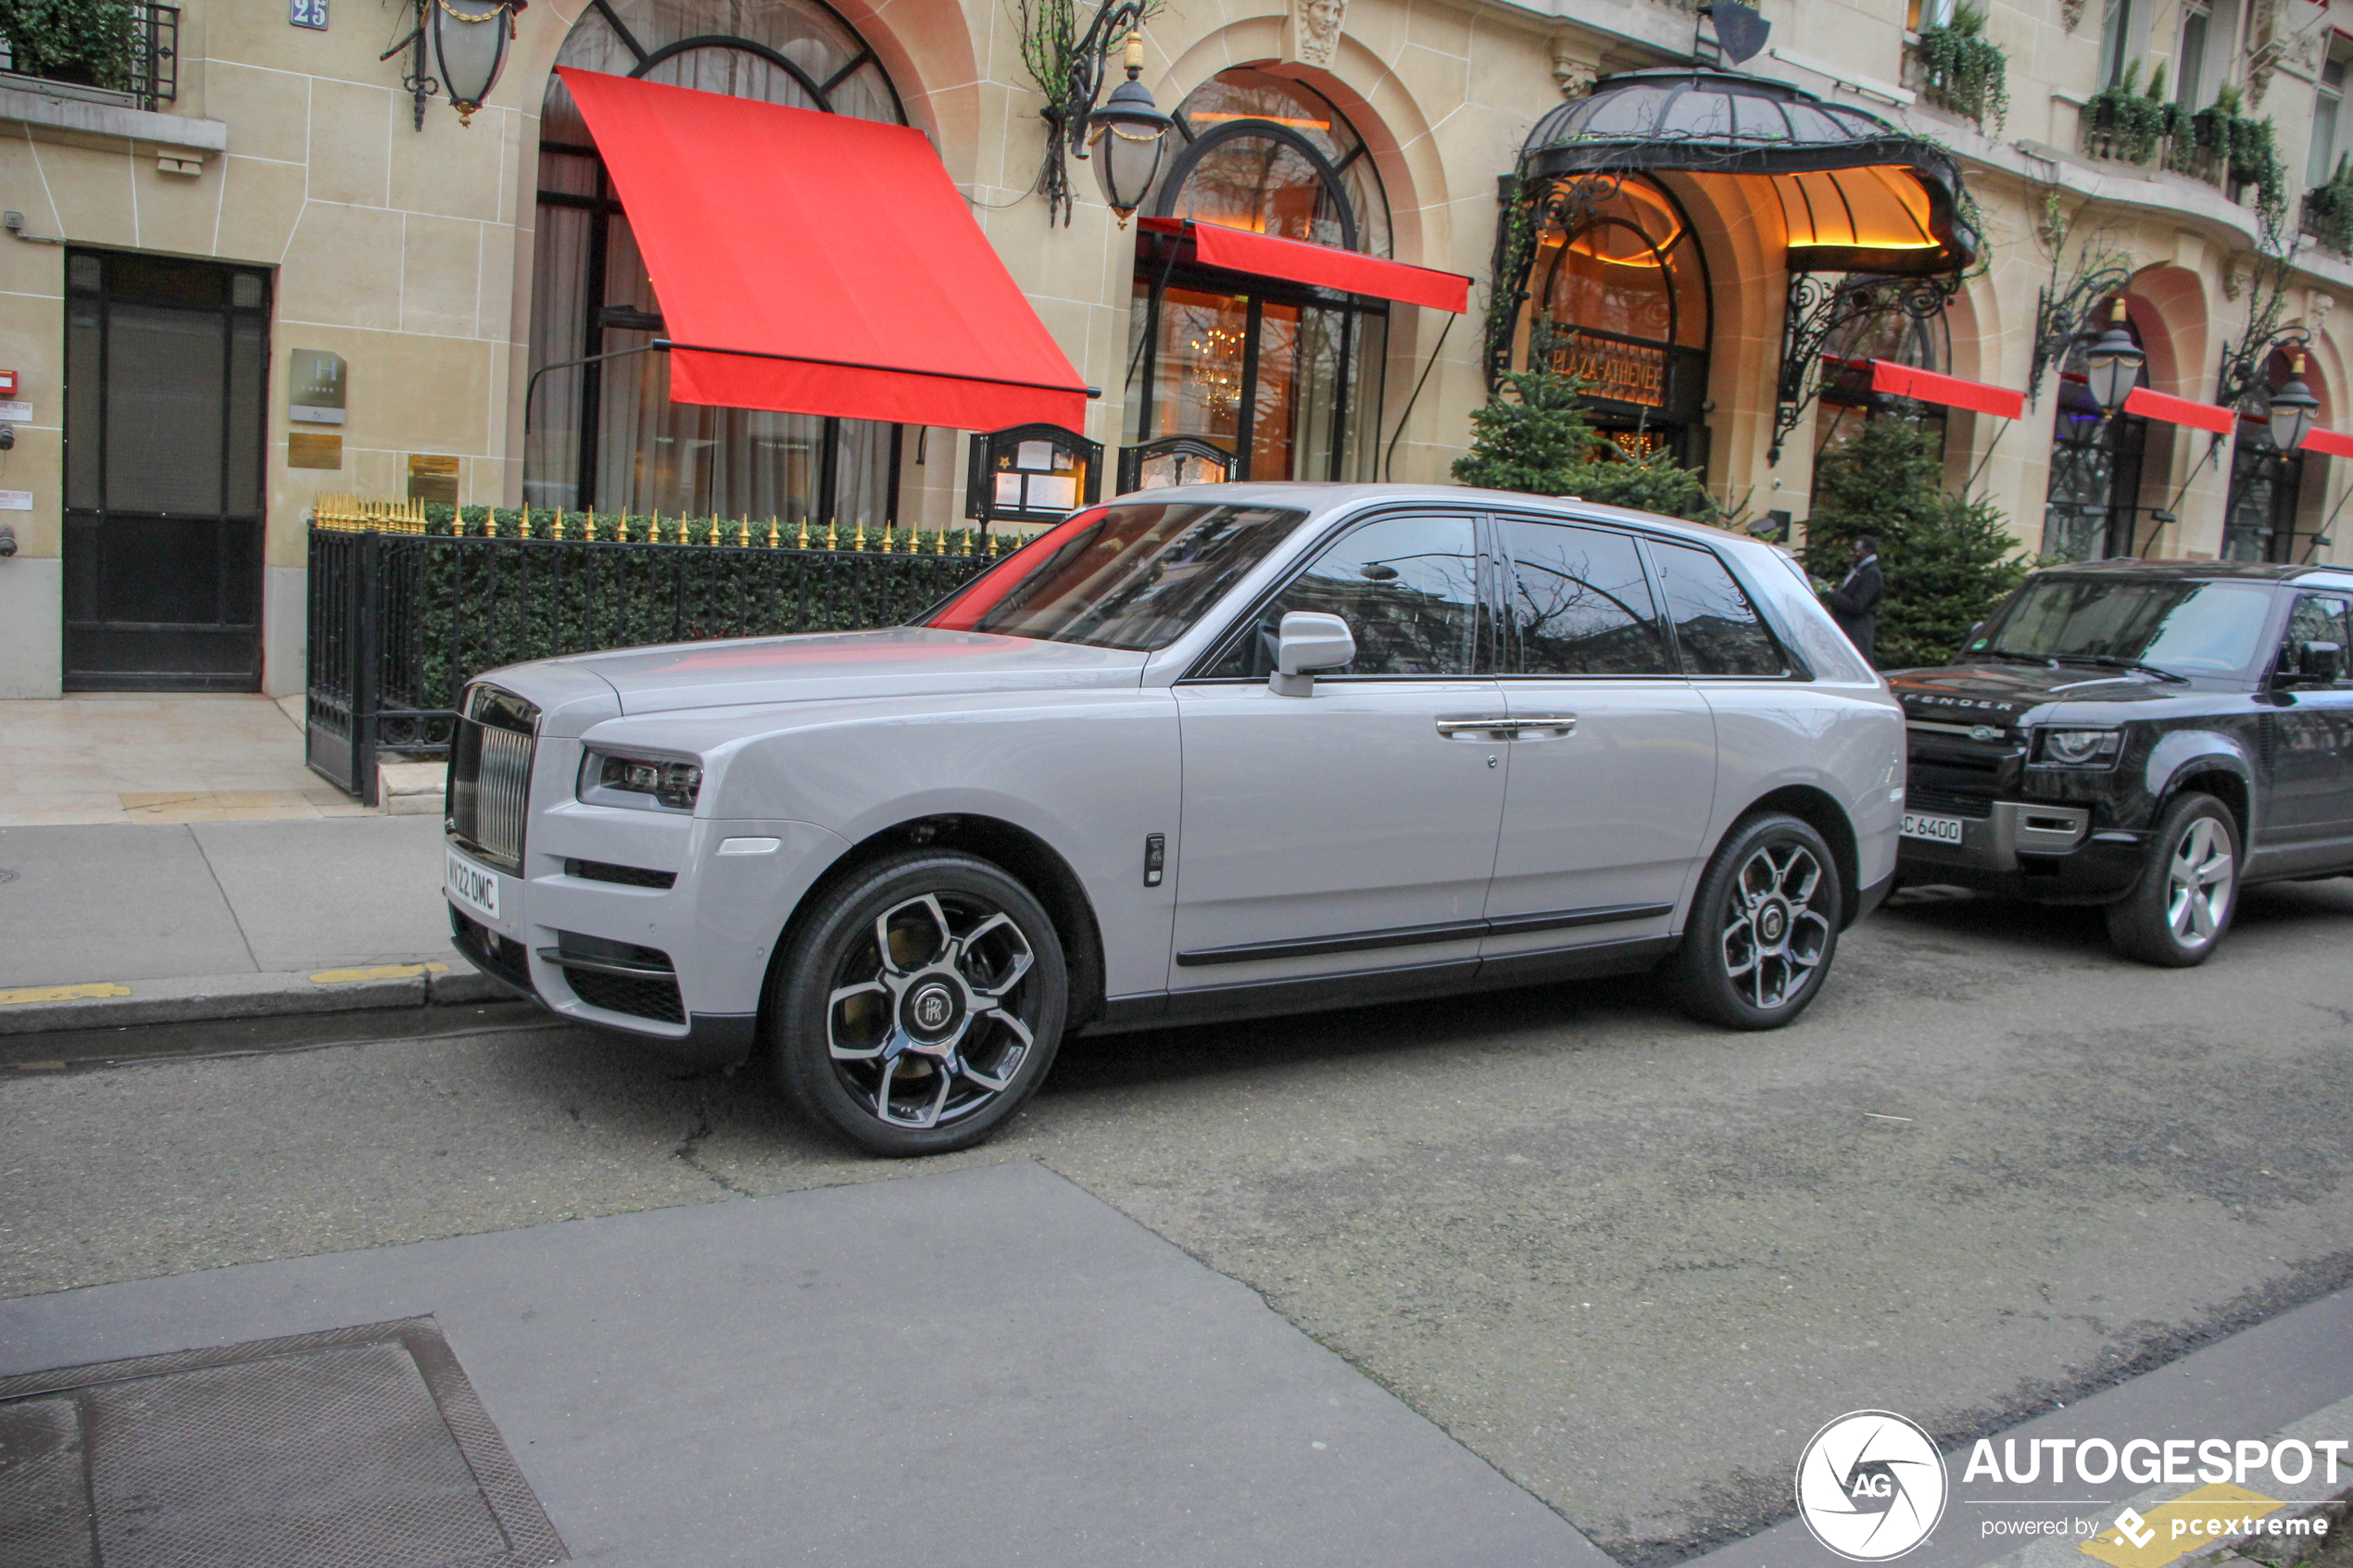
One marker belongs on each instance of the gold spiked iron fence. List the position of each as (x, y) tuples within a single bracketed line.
[(408, 600)]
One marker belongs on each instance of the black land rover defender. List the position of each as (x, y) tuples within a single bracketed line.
[(2148, 736)]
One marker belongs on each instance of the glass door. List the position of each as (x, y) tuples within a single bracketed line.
[(166, 365), (1279, 383)]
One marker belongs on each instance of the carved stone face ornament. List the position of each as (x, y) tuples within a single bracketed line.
[(1315, 30)]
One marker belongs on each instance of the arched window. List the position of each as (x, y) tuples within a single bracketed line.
[(1924, 342), (1620, 298), (605, 435), (1284, 376), (2267, 485), (2093, 502)]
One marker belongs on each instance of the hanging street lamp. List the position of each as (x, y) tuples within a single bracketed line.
[(468, 40), (1127, 138), (2112, 365), (2293, 407)]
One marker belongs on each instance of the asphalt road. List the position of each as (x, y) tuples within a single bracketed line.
[(1632, 1261)]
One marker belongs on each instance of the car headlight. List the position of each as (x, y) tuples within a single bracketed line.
[(2081, 748), (668, 781)]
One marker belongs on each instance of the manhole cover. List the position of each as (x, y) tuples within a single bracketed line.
[(360, 1448)]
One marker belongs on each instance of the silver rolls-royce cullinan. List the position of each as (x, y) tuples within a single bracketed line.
[(1202, 754)]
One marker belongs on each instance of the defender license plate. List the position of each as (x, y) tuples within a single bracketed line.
[(1936, 830)]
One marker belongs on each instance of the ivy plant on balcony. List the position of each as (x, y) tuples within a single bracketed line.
[(2234, 149), (2129, 124), (88, 41), (2328, 210), (1963, 70)]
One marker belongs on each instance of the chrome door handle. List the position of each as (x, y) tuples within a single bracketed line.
[(1501, 729), (1545, 726)]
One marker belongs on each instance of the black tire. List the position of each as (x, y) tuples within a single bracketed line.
[(2189, 887), (904, 1016), (1763, 927)]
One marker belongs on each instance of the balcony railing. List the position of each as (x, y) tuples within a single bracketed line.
[(135, 63), (2232, 153), (2327, 215)]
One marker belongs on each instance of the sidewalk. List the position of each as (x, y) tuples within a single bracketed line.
[(139, 757), (981, 1367), (165, 858)]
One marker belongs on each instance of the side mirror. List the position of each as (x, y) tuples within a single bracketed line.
[(2322, 662), (1308, 640)]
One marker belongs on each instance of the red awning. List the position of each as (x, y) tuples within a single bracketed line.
[(1953, 391), (1327, 267), (2327, 443), (817, 264), (2179, 412)]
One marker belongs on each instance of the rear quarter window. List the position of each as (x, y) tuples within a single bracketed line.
[(1716, 625)]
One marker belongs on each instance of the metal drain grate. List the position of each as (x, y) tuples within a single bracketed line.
[(358, 1448)]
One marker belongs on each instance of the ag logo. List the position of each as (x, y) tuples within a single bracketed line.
[(1870, 1486)]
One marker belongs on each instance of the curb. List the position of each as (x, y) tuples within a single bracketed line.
[(110, 1005)]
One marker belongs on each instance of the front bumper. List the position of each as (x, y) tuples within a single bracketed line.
[(2030, 849), (682, 966)]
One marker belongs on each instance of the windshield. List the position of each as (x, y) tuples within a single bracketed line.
[(1135, 576), (2187, 628)]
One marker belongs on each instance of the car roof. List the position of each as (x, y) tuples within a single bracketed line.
[(1324, 498), (2195, 570)]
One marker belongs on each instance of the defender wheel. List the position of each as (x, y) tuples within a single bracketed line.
[(1763, 927), (920, 1005), (2188, 890)]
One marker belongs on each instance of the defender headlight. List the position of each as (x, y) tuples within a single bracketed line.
[(2081, 748), (668, 781)]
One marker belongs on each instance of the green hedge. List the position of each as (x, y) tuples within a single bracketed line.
[(454, 607)]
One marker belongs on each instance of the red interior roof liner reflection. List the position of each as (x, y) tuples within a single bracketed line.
[(964, 613)]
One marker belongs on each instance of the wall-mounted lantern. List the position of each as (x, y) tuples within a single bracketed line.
[(2293, 407), (469, 41), (2112, 365)]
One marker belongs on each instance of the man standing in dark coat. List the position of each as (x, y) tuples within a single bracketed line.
[(1853, 604)]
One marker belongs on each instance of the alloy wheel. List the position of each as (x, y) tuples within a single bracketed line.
[(925, 1021), (1774, 937), (2199, 879)]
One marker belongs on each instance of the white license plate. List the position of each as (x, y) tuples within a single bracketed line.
[(1936, 830), (477, 888)]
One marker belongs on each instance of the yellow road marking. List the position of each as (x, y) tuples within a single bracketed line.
[(383, 971), (2207, 1515), (63, 993)]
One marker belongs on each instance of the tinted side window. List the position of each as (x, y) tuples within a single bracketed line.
[(1713, 622), (1577, 603), (1408, 588), (2316, 618)]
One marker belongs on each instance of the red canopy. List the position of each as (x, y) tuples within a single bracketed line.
[(2327, 443), (1265, 256), (817, 264), (2179, 412), (1953, 391)]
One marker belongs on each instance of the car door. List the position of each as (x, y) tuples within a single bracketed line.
[(2311, 804), (1354, 829), (1612, 771)]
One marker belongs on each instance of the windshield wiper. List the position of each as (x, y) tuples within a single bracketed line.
[(2015, 657), (2109, 661)]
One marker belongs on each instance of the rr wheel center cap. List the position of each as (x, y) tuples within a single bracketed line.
[(932, 1010), (1772, 923)]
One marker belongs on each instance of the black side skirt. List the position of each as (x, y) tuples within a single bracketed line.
[(1267, 999)]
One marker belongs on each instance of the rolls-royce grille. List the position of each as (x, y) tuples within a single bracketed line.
[(490, 775)]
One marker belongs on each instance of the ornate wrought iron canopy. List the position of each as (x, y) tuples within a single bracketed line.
[(1860, 195), (1857, 195)]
